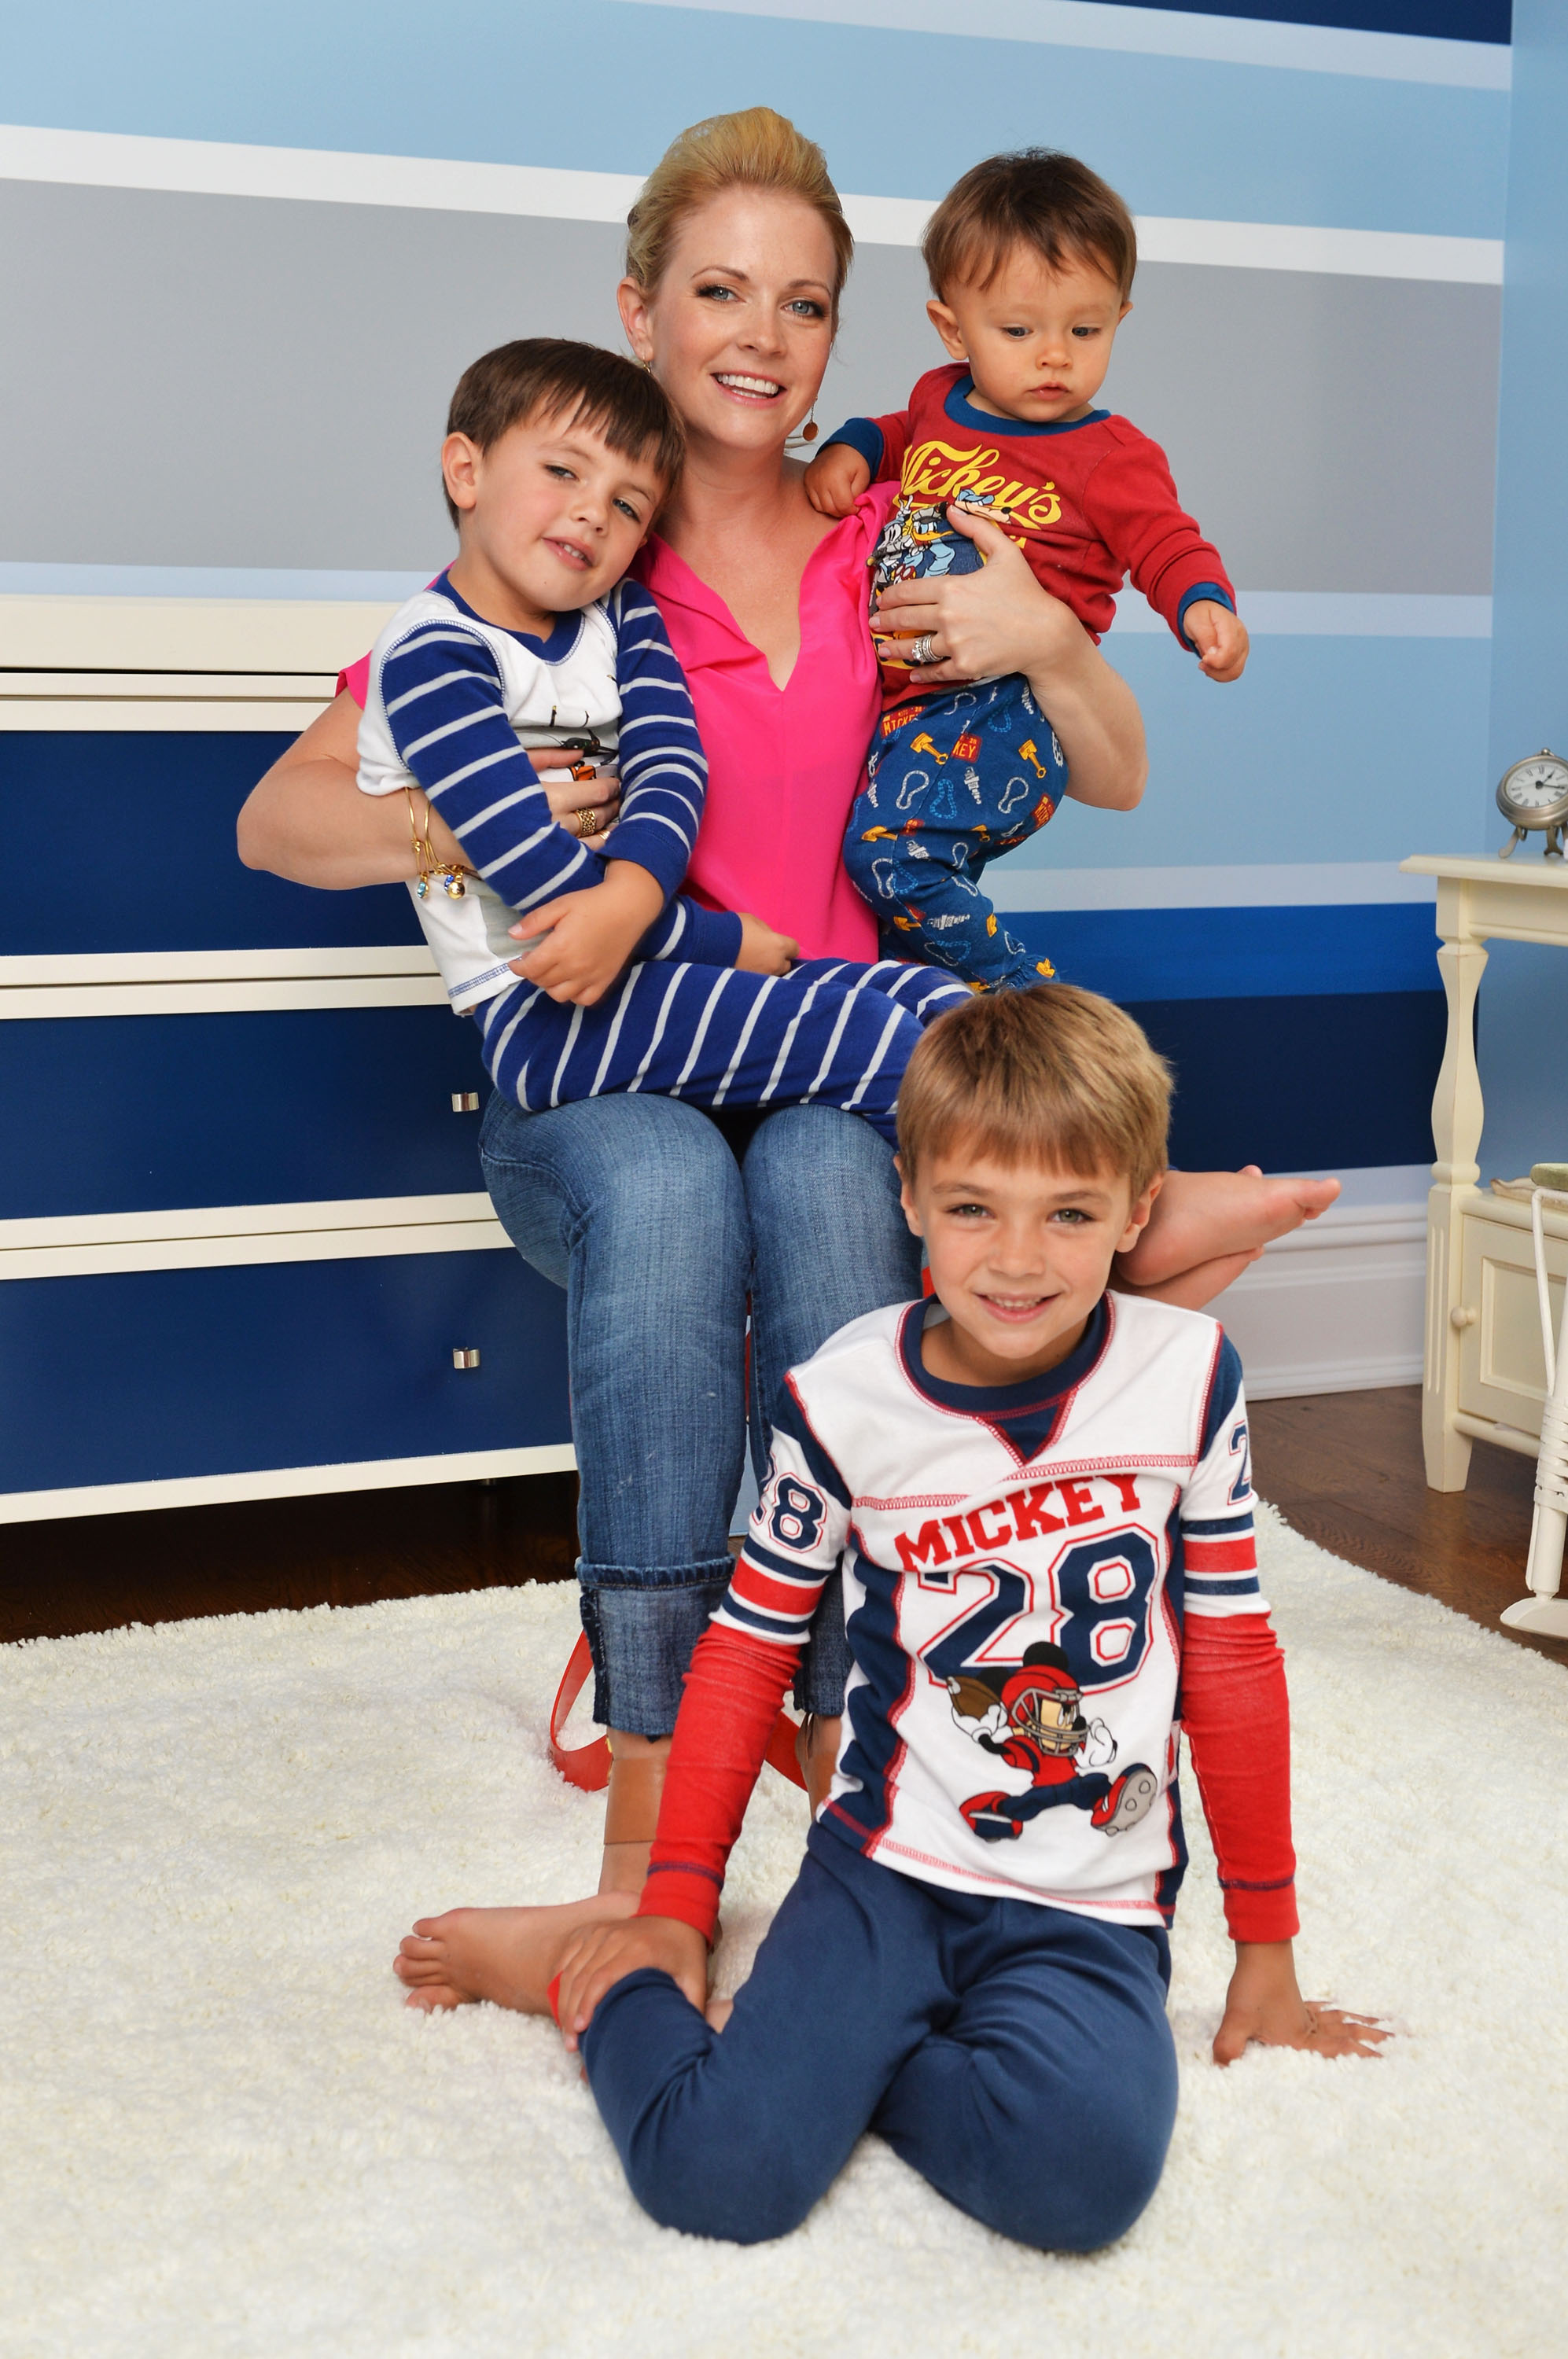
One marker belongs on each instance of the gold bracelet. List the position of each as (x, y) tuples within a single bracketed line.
[(449, 873)]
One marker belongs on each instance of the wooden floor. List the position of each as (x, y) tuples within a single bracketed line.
[(1345, 1469)]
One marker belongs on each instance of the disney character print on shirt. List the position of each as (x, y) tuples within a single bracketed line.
[(1030, 1715)]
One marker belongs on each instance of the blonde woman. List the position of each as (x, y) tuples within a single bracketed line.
[(661, 1222)]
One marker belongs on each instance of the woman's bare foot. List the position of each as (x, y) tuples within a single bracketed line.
[(1195, 1289), (1201, 1217), (510, 1956)]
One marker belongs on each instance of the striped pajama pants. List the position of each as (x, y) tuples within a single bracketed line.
[(829, 1032)]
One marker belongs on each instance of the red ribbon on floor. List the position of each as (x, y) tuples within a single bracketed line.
[(588, 1765)]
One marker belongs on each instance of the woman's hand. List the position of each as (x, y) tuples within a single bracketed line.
[(606, 1954), (572, 800), (762, 951), (581, 943), (997, 620), (1264, 2003), (1000, 620)]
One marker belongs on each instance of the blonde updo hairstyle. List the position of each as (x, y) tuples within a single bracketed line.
[(754, 148)]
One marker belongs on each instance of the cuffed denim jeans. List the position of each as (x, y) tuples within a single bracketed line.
[(660, 1224)]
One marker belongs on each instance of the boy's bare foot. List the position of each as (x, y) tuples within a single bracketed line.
[(1208, 1216), (510, 1956)]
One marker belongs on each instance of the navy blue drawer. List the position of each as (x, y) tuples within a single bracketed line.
[(142, 824), (163, 1372), (136, 1113)]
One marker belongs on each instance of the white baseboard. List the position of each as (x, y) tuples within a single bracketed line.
[(1335, 1308)]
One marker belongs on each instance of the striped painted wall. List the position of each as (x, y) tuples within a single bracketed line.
[(245, 254)]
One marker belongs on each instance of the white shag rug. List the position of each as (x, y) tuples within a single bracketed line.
[(221, 2133)]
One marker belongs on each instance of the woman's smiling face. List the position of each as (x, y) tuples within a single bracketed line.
[(740, 327)]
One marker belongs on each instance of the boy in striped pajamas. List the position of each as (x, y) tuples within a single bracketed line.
[(1036, 1496), (532, 656)]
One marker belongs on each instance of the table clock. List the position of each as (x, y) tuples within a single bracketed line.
[(1534, 793)]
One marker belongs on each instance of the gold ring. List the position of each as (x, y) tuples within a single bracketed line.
[(587, 824)]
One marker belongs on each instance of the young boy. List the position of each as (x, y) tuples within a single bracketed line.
[(1036, 1498), (531, 654), (1031, 259)]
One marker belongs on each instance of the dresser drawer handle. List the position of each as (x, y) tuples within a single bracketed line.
[(463, 1359)]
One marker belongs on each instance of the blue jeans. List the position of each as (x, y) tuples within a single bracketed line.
[(1016, 2056), (660, 1224)]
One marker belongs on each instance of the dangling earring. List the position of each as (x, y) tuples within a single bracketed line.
[(811, 429)]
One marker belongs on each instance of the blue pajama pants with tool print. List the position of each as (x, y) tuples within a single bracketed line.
[(949, 786)]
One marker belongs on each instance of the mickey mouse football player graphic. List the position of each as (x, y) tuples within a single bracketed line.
[(1031, 1716)]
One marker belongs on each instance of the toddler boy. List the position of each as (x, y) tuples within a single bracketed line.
[(1036, 1496), (1031, 259), (531, 653)]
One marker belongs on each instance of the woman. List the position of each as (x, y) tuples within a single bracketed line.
[(659, 1222)]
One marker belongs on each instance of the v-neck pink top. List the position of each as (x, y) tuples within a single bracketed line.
[(784, 764)]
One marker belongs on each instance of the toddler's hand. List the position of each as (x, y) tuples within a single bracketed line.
[(1219, 637), (575, 948), (604, 1955), (1264, 2003), (835, 479), (762, 951)]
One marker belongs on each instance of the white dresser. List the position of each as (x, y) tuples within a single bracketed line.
[(244, 1246)]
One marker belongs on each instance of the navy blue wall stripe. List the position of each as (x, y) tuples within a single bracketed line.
[(1290, 953), (1453, 20), (1300, 1084)]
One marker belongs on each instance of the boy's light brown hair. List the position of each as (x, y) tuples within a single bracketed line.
[(582, 384), (1053, 1076), (1036, 198)]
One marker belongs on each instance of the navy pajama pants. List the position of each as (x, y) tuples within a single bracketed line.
[(1016, 2056), (830, 1032), (964, 777)]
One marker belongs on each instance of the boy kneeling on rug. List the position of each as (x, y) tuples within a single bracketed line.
[(1036, 1496)]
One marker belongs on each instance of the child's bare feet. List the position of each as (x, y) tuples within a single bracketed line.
[(510, 1956), (1214, 1216)]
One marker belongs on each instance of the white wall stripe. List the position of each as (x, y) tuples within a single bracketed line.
[(326, 176), (1279, 885), (1159, 32)]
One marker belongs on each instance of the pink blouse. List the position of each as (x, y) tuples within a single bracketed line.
[(784, 764)]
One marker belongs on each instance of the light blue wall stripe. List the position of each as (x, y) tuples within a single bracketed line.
[(1327, 750), (900, 113), (1334, 614), (1162, 33)]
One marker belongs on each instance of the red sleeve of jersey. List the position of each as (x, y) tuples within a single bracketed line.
[(734, 1690), (895, 433), (1130, 499), (1236, 1714)]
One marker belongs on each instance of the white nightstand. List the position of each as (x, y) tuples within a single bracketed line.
[(1484, 1374)]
